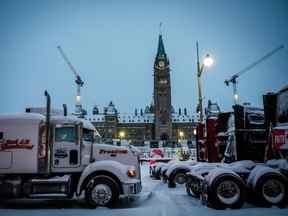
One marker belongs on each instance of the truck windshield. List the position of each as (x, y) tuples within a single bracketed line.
[(256, 118), (88, 135), (65, 134)]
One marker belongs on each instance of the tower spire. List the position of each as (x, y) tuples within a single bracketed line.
[(161, 49)]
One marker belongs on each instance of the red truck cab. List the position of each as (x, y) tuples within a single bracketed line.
[(276, 115)]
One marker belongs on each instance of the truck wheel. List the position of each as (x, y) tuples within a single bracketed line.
[(191, 192), (188, 191), (195, 189), (157, 176), (180, 178), (270, 190), (171, 184), (227, 192), (164, 179), (102, 191)]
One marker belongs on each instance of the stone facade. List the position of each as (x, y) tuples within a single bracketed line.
[(156, 122)]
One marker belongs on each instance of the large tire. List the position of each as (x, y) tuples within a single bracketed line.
[(180, 178), (171, 184), (157, 175), (102, 191), (270, 190), (188, 190), (226, 191), (164, 177), (195, 188)]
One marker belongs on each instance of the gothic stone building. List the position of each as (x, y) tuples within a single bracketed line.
[(159, 121)]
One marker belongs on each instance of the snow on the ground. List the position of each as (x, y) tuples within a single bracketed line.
[(155, 199)]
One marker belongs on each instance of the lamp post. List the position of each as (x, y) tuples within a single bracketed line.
[(207, 62), (181, 135)]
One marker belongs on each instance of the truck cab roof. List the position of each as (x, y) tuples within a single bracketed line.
[(72, 120), (36, 117), (22, 117)]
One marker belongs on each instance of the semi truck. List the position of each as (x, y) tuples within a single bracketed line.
[(206, 136), (246, 134), (276, 122), (52, 156)]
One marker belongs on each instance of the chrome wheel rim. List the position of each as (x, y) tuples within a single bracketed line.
[(273, 191), (180, 178), (228, 192), (195, 188), (101, 194)]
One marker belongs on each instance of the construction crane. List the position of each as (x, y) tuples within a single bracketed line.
[(234, 78), (79, 82)]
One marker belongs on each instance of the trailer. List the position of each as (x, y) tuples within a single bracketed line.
[(222, 186)]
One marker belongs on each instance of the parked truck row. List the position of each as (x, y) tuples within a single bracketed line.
[(229, 185), (242, 156)]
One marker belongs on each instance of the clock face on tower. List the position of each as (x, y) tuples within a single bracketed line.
[(161, 64), (163, 81)]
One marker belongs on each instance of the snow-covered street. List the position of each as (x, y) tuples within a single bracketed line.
[(156, 199)]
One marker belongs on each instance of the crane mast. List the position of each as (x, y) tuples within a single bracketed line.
[(79, 82), (234, 78)]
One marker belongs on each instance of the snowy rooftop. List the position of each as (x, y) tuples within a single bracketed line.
[(139, 115), (96, 118), (145, 118)]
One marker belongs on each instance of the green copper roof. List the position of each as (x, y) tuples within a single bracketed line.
[(161, 50)]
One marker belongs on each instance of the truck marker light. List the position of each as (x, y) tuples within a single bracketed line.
[(16, 144), (131, 173)]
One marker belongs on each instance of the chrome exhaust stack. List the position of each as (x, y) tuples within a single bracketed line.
[(65, 112), (48, 132)]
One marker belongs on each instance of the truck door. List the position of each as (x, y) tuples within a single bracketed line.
[(66, 148)]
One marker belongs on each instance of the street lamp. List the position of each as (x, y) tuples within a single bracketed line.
[(207, 62), (236, 97), (194, 131), (121, 136), (180, 137), (181, 134)]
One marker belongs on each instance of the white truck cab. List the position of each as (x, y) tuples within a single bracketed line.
[(58, 156)]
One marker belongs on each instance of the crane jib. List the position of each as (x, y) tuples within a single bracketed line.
[(234, 78)]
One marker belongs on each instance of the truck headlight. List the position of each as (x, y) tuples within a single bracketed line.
[(131, 172)]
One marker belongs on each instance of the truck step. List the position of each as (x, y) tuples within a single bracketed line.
[(49, 196), (56, 186)]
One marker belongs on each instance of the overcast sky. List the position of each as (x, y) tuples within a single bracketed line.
[(113, 44)]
